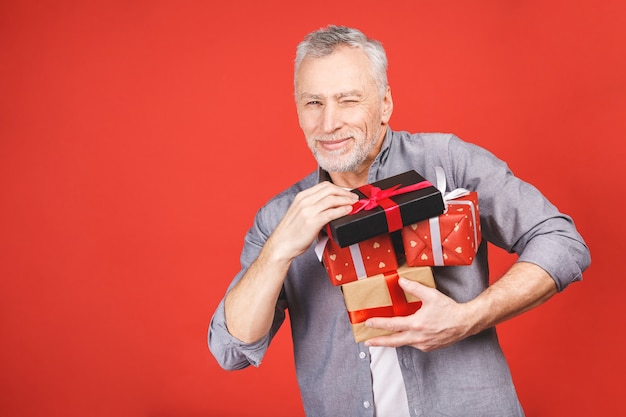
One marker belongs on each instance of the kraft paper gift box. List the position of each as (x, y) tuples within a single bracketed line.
[(370, 257), (449, 239), (382, 296), (386, 206)]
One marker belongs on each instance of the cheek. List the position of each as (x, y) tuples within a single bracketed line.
[(308, 122), (362, 119)]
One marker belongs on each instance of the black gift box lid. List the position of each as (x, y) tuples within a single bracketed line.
[(413, 206)]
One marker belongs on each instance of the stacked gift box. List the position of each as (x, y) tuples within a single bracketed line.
[(401, 226), (449, 239)]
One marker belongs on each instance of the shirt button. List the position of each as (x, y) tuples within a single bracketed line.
[(366, 404), (362, 355)]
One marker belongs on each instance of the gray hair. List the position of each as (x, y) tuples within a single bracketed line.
[(325, 41)]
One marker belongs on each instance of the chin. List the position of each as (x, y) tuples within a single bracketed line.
[(337, 166)]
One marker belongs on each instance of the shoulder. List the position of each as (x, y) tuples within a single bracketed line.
[(465, 163), (424, 151), (433, 144), (425, 138)]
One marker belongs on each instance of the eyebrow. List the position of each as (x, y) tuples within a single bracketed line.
[(308, 96), (351, 93), (343, 94)]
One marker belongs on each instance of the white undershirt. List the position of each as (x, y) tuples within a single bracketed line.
[(388, 385), (387, 382)]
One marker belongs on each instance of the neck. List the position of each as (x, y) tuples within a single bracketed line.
[(352, 179)]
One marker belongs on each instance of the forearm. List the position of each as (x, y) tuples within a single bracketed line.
[(250, 305), (523, 287)]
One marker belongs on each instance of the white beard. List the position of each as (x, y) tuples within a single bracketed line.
[(342, 160)]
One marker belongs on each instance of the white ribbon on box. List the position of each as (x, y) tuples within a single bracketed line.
[(433, 222)]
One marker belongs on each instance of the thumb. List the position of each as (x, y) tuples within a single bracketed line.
[(421, 291)]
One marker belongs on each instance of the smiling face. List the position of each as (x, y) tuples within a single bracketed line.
[(340, 110)]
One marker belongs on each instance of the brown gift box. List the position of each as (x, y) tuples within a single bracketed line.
[(381, 296)]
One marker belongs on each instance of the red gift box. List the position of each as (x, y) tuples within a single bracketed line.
[(370, 257), (449, 239)]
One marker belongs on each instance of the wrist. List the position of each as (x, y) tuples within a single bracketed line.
[(474, 319), (277, 253)]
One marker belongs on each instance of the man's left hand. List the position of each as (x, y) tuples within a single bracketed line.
[(440, 321)]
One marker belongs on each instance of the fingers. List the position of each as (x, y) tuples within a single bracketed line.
[(309, 212), (322, 203), (439, 322), (392, 340), (394, 324), (421, 291), (401, 324), (325, 196), (402, 328), (405, 339)]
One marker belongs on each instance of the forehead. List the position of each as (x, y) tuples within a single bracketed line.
[(346, 69)]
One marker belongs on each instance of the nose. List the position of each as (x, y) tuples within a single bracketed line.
[(331, 118)]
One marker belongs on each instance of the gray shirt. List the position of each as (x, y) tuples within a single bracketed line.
[(470, 378)]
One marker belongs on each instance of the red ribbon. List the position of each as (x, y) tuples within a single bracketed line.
[(376, 197), (399, 305)]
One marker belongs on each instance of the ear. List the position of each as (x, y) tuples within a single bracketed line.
[(387, 107)]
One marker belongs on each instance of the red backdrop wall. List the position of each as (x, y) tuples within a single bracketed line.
[(138, 138)]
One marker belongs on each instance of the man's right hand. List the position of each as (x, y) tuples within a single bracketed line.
[(249, 306), (310, 211)]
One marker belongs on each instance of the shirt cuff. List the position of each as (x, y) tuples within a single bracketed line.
[(565, 264)]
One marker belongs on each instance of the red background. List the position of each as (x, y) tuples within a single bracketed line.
[(138, 138)]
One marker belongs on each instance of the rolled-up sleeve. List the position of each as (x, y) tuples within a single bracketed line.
[(230, 352), (517, 217)]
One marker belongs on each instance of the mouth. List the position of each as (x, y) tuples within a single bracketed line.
[(332, 145)]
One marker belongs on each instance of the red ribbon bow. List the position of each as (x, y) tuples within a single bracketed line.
[(377, 197), (399, 304)]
